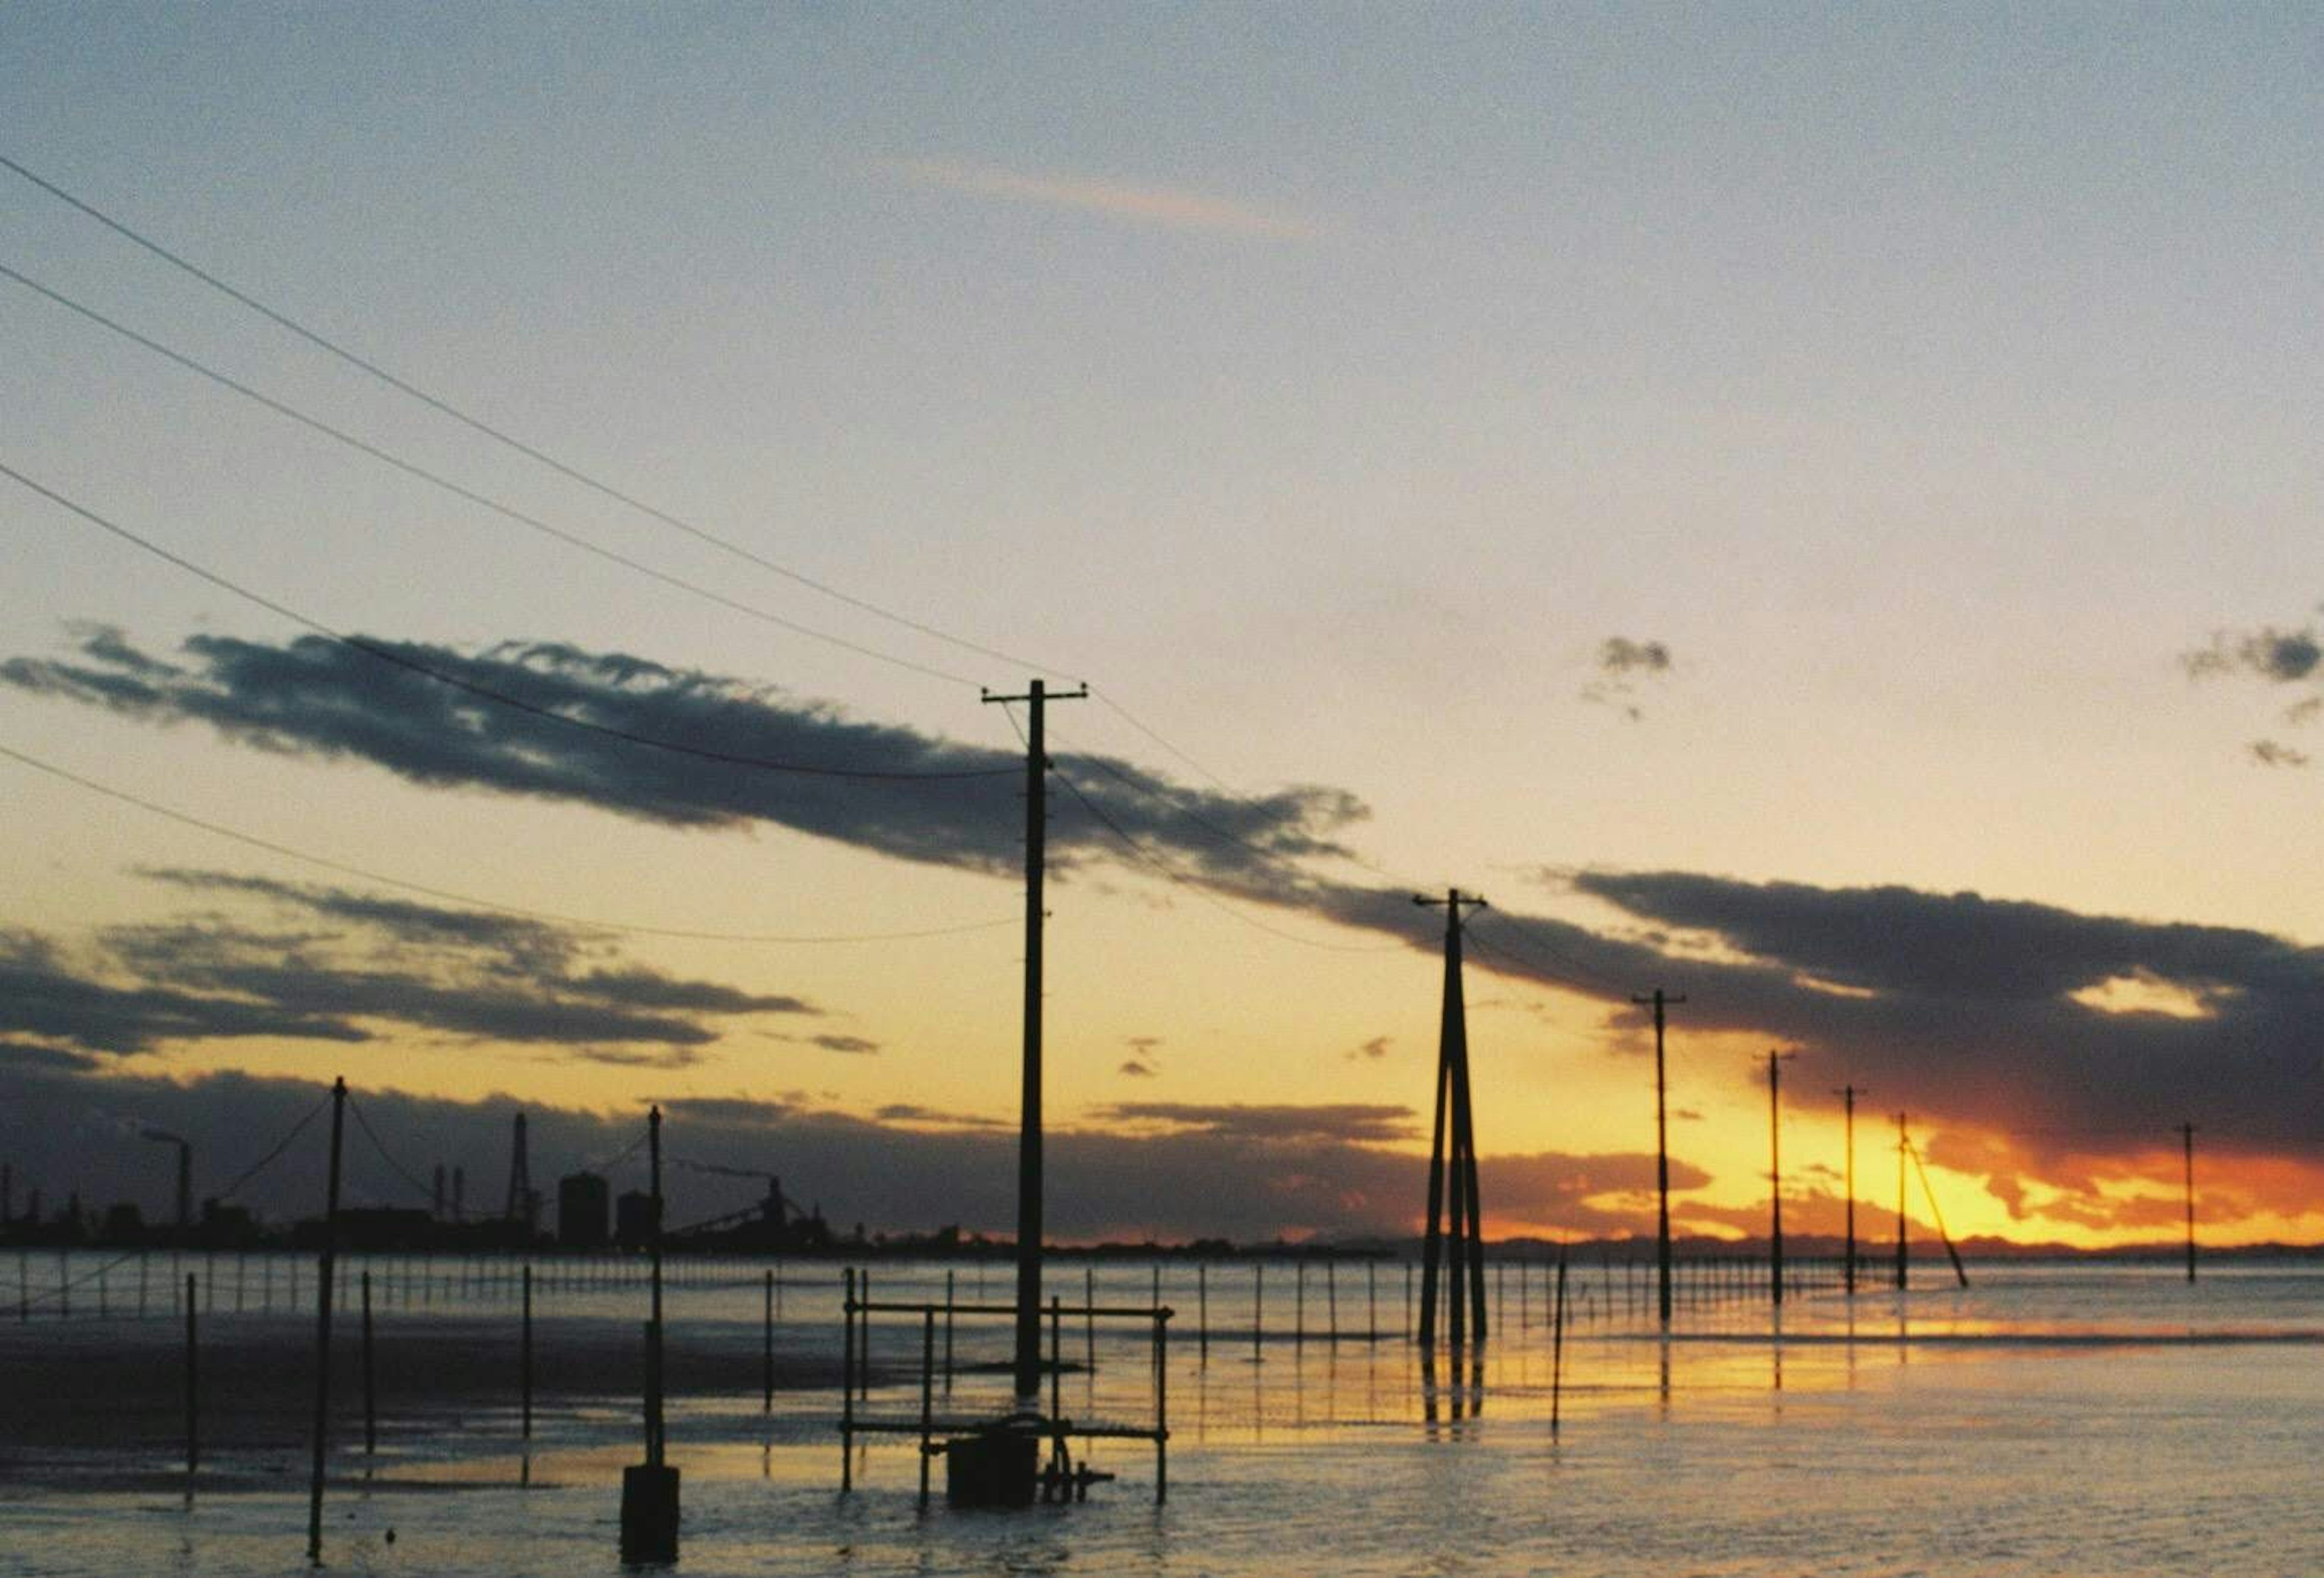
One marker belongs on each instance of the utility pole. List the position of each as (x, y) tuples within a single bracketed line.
[(328, 1271), (1775, 1175), (1848, 1095), (2186, 1132), (1027, 1359), (1661, 1156), (1904, 1152), (1454, 1174)]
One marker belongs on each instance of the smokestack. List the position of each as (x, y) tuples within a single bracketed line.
[(185, 1169)]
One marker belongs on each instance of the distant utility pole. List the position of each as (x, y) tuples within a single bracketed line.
[(1454, 1174), (1848, 1094), (2186, 1132), (1661, 1156), (1028, 1363), (1775, 1175), (1903, 1155)]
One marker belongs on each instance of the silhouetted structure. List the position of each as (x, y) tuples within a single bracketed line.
[(1775, 1176), (1848, 1095), (1662, 1161), (1453, 1178), (523, 1211), (2186, 1132), (582, 1203), (1027, 1360), (634, 1219)]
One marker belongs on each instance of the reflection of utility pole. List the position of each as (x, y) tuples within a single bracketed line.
[(2187, 1131), (1028, 1361), (1848, 1094), (1900, 1158), (1775, 1175), (1662, 1158), (1453, 1175)]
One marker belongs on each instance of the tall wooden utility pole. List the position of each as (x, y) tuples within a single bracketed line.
[(1662, 1158), (1454, 1174), (1026, 1368), (1775, 1176), (2186, 1132), (1848, 1095), (326, 1280)]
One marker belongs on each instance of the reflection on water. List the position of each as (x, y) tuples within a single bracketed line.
[(2049, 1418)]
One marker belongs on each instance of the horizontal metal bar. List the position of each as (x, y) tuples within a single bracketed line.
[(1123, 1311)]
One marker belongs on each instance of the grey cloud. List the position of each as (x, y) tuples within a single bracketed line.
[(215, 976), (1621, 655), (1964, 1007), (2272, 753), (316, 698), (2281, 656), (1136, 1068)]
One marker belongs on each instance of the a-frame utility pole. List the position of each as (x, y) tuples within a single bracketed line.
[(2186, 1132), (1662, 1158), (1026, 1368), (1454, 1174), (1848, 1095), (1775, 1176)]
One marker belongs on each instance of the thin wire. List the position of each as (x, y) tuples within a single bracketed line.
[(498, 909), (61, 1288), (263, 1162), (1200, 892), (388, 655), (1225, 788), (483, 501), (1573, 974), (620, 1156), (1510, 960), (424, 1191), (446, 408)]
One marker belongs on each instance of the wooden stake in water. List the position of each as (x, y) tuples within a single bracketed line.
[(524, 1349), (1557, 1344), (767, 1350), (193, 1393), (1257, 1307), (1202, 1309), (371, 1408)]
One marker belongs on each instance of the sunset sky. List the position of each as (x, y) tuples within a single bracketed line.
[(1817, 511)]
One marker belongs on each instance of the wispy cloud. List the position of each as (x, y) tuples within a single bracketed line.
[(1162, 206)]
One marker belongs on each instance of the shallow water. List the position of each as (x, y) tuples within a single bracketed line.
[(2050, 1419)]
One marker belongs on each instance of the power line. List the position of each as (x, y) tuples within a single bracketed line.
[(389, 655), (270, 846), (1200, 892), (424, 1191), (457, 490), (446, 408)]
